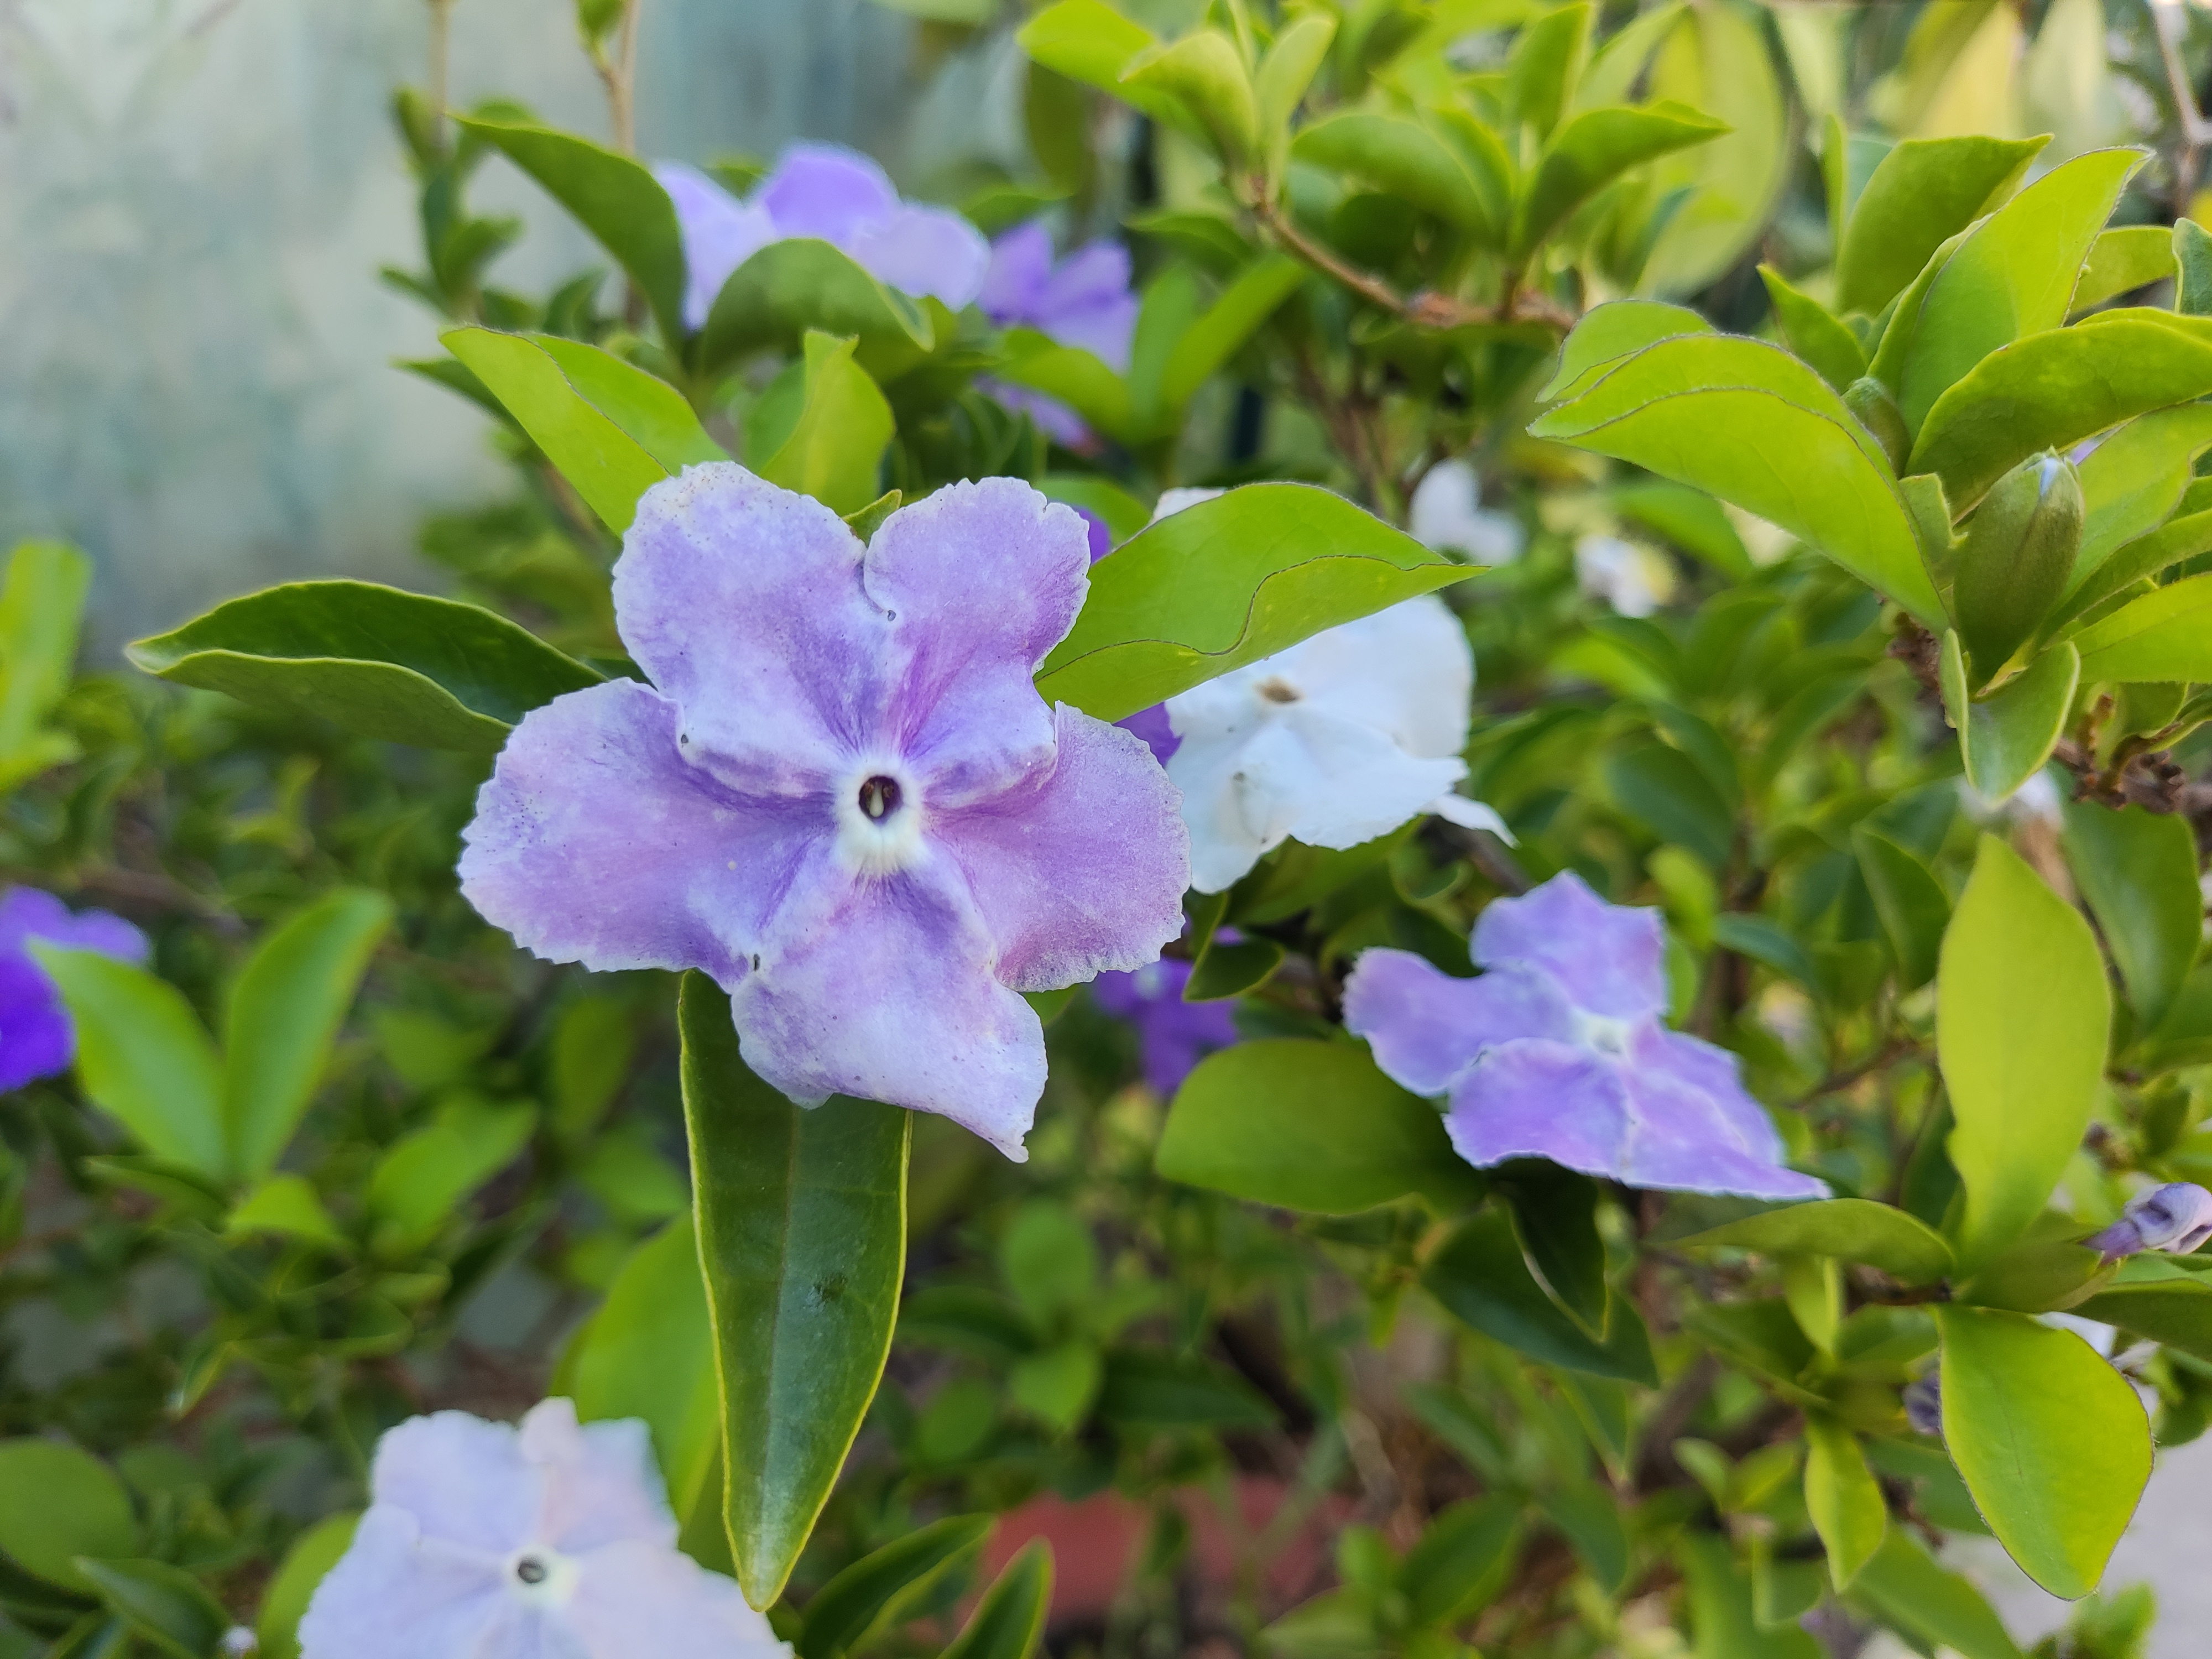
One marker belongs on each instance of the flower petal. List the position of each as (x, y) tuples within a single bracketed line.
[(594, 842), (1694, 1129), (1407, 672), (394, 1591), (984, 579), (36, 1037), (601, 1485), (28, 913), (1082, 865), (631, 1600), (826, 191), (882, 987), (1021, 263), (720, 233), (1534, 1097), (1426, 1027), (1609, 958), (463, 1480), (924, 251), (743, 603), (1173, 1035)]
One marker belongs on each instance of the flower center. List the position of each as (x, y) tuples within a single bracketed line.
[(879, 798), (1276, 689), (880, 817), (537, 1574), (1602, 1034), (531, 1570)]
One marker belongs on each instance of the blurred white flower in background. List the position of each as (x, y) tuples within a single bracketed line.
[(1447, 515), (1634, 579), (2036, 801)]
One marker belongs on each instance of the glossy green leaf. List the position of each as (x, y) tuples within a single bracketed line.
[(1221, 330), (164, 1606), (1554, 1215), (2022, 1016), (420, 1182), (2120, 261), (1909, 1590), (1751, 424), (2134, 479), (614, 197), (1226, 582), (1618, 65), (1843, 1497), (802, 1235), (2052, 1442), (41, 605), (1462, 1561), (613, 430), (1910, 901), (1293, 58), (2166, 634), (1403, 157), (1309, 1125), (2051, 389), (283, 1014), (1924, 192), (2192, 258), (1832, 350), (834, 452), (404, 668), (2006, 736), (1848, 1229), (1595, 148), (1479, 1278), (1204, 72), (283, 1604), (2138, 872), (1716, 59), (1223, 970), (57, 1504), (1090, 41), (1611, 331), (2176, 1312), (1008, 1622), (1546, 62), (648, 1353), (143, 1057), (2011, 277), (802, 285)]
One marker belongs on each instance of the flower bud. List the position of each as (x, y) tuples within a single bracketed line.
[(2015, 560), (2175, 1217), (1923, 1406), (1869, 399)]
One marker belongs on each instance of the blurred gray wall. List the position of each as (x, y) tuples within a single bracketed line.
[(195, 196)]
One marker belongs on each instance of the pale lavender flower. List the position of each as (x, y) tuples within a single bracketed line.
[(845, 800), (550, 1541), (837, 195), (1558, 1051), (36, 1037), (1084, 301), (1923, 1400), (1173, 1036), (2176, 1218)]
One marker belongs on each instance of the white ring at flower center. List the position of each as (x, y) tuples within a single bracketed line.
[(879, 846), (1602, 1034)]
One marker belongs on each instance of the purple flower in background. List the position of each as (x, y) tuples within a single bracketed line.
[(845, 800), (1084, 301), (1173, 1034), (36, 1037), (2175, 1217), (486, 1541), (838, 195), (1557, 1051)]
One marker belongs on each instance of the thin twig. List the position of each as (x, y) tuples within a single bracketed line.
[(441, 33), (2196, 130), (1426, 309)]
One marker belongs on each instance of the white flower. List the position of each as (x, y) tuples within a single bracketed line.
[(1446, 513), (1174, 501), (552, 1541), (1634, 581), (1339, 740), (2036, 801)]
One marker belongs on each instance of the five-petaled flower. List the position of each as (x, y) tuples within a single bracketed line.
[(486, 1541), (841, 796), (2175, 1217), (1558, 1051), (36, 1037), (836, 194), (1084, 301)]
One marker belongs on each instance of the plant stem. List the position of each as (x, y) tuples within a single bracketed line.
[(618, 73), (441, 30)]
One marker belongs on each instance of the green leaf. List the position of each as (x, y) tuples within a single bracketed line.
[(802, 1235), (57, 1503), (420, 1182), (1749, 424), (2012, 276), (1408, 158), (1089, 41), (2163, 635), (312, 1556), (2192, 258), (2138, 872), (1843, 1497), (1059, 1386), (1609, 332), (1546, 62), (1478, 1277), (1293, 58), (2121, 261), (1721, 1611), (1048, 1260), (802, 285), (143, 1057), (1223, 327), (1834, 350), (1223, 970), (1008, 1622), (1910, 1591), (614, 198), (1462, 1561), (284, 1011), (1203, 71), (1309, 1125), (161, 1604), (1913, 907), (404, 668), (1554, 1215), (835, 452), (1848, 1229), (2176, 1312), (1924, 192), (613, 430), (648, 1353), (2006, 736), (41, 603), (2135, 478), (2051, 389), (1124, 515), (285, 1205), (2022, 1011), (1666, 791), (1227, 582), (1595, 148), (1143, 1388), (1074, 377), (2052, 1440)]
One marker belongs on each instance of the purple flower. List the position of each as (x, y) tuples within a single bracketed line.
[(1173, 1035), (2175, 1217), (1083, 301), (36, 1037), (845, 800), (837, 195), (1557, 1051), (484, 1541)]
